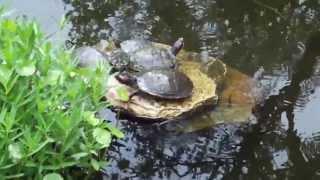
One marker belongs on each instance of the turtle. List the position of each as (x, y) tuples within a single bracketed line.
[(160, 83), (143, 55), (87, 56), (92, 57)]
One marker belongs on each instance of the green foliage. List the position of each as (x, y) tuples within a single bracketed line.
[(47, 120)]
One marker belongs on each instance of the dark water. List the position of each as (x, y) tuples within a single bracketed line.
[(283, 142)]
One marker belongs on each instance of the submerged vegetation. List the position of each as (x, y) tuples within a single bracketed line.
[(47, 119)]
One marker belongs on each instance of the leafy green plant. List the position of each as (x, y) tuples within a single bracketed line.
[(47, 105)]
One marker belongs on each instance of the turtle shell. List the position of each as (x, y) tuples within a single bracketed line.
[(166, 84), (145, 56)]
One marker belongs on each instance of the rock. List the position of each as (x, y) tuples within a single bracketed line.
[(146, 107)]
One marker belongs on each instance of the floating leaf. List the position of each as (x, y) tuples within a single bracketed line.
[(26, 70), (122, 93), (102, 136), (53, 176)]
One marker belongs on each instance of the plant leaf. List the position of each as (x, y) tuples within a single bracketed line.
[(53, 76), (15, 151), (90, 118), (5, 74), (10, 25), (114, 131), (95, 164), (102, 136), (122, 93), (53, 176), (26, 70)]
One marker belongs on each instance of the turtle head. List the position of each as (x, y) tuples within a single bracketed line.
[(177, 46), (126, 78)]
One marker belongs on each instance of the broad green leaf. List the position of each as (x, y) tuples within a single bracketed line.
[(5, 74), (15, 151), (90, 118), (95, 164), (102, 136), (122, 93), (114, 131), (53, 176), (26, 70), (53, 76), (10, 25)]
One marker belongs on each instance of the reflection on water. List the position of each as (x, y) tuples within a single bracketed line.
[(283, 140)]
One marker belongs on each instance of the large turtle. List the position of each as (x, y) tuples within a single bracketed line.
[(165, 84)]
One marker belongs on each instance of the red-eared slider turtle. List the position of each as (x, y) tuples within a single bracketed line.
[(145, 56), (165, 84)]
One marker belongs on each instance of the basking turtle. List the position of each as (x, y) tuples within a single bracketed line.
[(165, 84), (87, 56), (144, 56)]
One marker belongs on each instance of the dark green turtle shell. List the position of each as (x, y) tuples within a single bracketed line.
[(166, 84), (144, 56)]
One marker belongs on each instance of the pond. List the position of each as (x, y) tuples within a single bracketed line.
[(261, 38)]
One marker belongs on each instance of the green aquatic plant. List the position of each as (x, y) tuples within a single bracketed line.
[(47, 107)]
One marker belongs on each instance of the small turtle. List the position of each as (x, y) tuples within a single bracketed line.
[(164, 84), (91, 57)]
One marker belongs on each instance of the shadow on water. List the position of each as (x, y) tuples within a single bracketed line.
[(282, 142)]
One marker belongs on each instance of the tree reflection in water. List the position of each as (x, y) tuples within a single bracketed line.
[(246, 35)]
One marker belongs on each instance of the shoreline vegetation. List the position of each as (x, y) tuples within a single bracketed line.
[(47, 116)]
